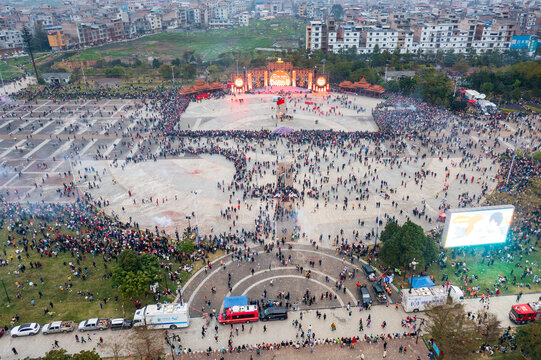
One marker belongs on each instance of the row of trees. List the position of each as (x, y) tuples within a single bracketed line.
[(511, 83)]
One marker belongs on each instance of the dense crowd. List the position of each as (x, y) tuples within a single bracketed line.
[(401, 121)]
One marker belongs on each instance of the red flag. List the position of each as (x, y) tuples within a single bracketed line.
[(281, 101)]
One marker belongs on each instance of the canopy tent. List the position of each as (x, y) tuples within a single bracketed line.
[(420, 282)]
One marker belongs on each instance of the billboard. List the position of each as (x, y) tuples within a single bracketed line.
[(477, 226), (280, 78)]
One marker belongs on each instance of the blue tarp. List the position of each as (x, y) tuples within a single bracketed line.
[(235, 300), (419, 282)]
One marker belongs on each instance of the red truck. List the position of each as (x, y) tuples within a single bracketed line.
[(522, 313)]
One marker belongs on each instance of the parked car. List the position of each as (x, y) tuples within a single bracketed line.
[(25, 330), (366, 299), (273, 313), (58, 327), (94, 324), (121, 324), (369, 272)]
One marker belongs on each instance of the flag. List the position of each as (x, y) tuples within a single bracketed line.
[(280, 101)]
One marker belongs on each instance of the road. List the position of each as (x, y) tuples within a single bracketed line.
[(252, 334)]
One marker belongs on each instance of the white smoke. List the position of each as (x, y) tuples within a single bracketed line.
[(163, 221)]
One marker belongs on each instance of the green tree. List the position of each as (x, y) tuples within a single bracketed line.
[(188, 71), (337, 11), (405, 243), (435, 86), (456, 335), (86, 355), (116, 71), (528, 340), (487, 87), (407, 84), (537, 156), (186, 246), (156, 63), (134, 273), (165, 71), (57, 354), (391, 228), (40, 41)]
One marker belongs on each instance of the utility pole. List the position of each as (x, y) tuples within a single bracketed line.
[(196, 218), (377, 228)]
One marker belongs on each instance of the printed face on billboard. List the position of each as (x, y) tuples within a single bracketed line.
[(477, 226), (279, 78)]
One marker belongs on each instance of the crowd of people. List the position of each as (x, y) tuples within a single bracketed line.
[(409, 131)]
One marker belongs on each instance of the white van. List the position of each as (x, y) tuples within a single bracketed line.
[(162, 316)]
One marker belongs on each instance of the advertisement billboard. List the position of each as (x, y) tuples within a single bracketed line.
[(477, 226)]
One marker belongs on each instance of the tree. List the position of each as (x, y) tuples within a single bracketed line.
[(116, 346), (528, 340), (57, 354), (456, 335), (147, 344), (186, 246), (156, 63), (405, 243), (189, 71), (40, 41), (116, 71), (391, 228), (165, 71), (135, 273), (537, 156), (489, 325), (27, 39), (337, 11), (86, 355)]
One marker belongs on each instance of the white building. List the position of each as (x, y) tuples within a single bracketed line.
[(244, 19), (316, 36), (385, 39), (10, 39), (155, 21), (344, 37)]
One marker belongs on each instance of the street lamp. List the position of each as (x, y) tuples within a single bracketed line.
[(194, 193)]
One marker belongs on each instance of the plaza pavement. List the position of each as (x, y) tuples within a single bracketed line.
[(252, 334)]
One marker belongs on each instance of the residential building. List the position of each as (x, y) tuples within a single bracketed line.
[(10, 39), (57, 39)]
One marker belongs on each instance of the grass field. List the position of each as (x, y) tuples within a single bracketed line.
[(55, 272), (207, 44)]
